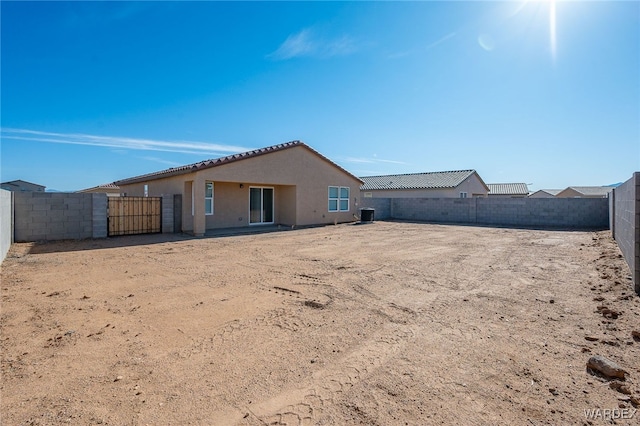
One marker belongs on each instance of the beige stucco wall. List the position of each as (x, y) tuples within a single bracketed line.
[(299, 177), (472, 186)]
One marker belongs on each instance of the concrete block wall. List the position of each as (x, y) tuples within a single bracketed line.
[(572, 213), (6, 222), (445, 210), (58, 216), (382, 207), (625, 211)]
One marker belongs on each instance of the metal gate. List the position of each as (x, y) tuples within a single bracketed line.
[(134, 215)]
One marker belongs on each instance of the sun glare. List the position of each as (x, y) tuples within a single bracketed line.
[(552, 28), (552, 21)]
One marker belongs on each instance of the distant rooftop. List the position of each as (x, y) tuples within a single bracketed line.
[(20, 185), (553, 192), (592, 191), (430, 180), (508, 189)]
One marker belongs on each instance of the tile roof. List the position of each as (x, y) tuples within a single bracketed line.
[(108, 186), (190, 168), (592, 190), (429, 180), (508, 189), (102, 186)]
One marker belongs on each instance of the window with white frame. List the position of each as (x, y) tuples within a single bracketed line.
[(208, 198), (338, 199), (463, 195)]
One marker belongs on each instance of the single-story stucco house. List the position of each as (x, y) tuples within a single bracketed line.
[(452, 184), (508, 190), (112, 190), (289, 184), (585, 192), (545, 193)]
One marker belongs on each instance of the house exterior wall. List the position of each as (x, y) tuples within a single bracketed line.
[(300, 179), (231, 204), (473, 186)]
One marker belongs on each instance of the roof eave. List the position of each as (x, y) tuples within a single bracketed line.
[(226, 160)]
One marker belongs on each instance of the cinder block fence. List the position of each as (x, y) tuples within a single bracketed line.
[(568, 213), (51, 216), (59, 216), (625, 224)]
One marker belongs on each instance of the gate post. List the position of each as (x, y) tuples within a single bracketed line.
[(167, 214), (99, 215)]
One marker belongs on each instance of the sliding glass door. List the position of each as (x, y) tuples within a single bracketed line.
[(260, 205)]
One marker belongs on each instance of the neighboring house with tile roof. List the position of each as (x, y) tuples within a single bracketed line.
[(22, 186), (545, 193), (585, 192), (451, 184), (112, 190), (508, 190), (289, 184)]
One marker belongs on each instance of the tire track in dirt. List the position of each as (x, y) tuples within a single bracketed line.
[(304, 405)]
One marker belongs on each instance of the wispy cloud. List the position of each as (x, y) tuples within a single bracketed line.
[(421, 50), (440, 41), (186, 147), (307, 43), (369, 160), (161, 161)]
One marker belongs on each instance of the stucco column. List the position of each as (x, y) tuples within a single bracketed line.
[(199, 223)]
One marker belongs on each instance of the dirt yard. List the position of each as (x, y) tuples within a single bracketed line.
[(379, 324)]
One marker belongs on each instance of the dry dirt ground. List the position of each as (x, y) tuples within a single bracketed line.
[(380, 324)]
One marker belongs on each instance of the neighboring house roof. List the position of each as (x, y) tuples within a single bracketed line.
[(591, 191), (190, 168), (431, 180), (19, 183), (553, 192), (508, 189), (105, 186)]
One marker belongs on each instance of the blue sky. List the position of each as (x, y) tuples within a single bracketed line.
[(546, 93)]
